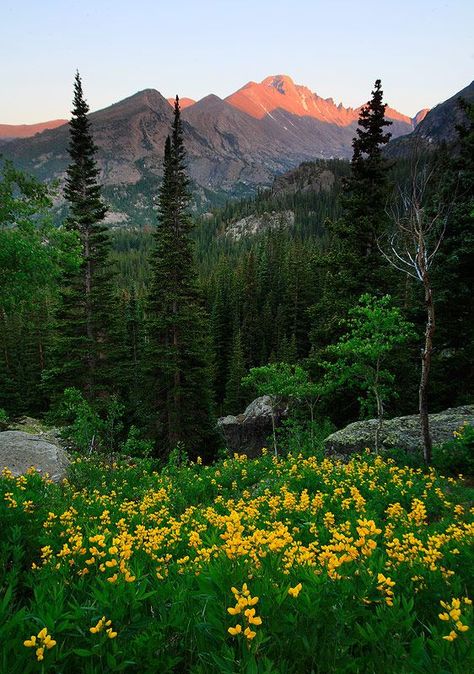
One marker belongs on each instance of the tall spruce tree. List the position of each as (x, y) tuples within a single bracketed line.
[(128, 342), (352, 264), (81, 352), (364, 201), (178, 358), (366, 189)]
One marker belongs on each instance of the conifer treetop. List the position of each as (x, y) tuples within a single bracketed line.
[(370, 133), (82, 189)]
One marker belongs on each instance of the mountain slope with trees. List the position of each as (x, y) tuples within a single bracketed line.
[(194, 310)]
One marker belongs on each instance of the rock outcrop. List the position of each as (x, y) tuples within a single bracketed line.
[(307, 177), (19, 451), (257, 224), (249, 432), (398, 433)]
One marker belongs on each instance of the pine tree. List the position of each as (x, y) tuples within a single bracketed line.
[(353, 265), (251, 312), (83, 320), (178, 358), (221, 328), (365, 195)]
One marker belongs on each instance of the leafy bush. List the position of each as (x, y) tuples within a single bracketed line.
[(457, 455), (135, 445), (298, 436), (85, 428), (83, 425), (3, 416)]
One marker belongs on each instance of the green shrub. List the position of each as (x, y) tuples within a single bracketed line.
[(3, 416), (112, 426), (403, 457), (135, 445), (82, 425), (297, 436), (457, 455)]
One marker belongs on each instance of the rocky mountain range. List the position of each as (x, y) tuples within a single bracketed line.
[(233, 145), (11, 131), (437, 126)]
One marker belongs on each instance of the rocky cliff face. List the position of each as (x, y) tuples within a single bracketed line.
[(308, 177), (258, 224), (437, 126)]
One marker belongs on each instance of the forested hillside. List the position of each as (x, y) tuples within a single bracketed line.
[(80, 304)]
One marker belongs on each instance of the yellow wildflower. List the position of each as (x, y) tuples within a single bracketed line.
[(294, 591), (41, 641)]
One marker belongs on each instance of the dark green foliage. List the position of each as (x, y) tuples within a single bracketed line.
[(128, 340), (178, 353), (278, 296), (235, 396), (81, 423), (3, 418), (82, 348), (453, 277), (456, 456), (33, 257), (222, 325)]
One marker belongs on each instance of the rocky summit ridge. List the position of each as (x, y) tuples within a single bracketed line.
[(233, 145)]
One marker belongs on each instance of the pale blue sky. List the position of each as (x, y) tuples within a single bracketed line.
[(423, 50)]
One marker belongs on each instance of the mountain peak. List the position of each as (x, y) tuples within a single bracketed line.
[(419, 117), (278, 94), (144, 99), (282, 83)]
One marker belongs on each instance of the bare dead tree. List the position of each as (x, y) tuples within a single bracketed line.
[(411, 248)]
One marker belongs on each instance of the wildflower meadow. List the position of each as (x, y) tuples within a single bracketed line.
[(273, 565)]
